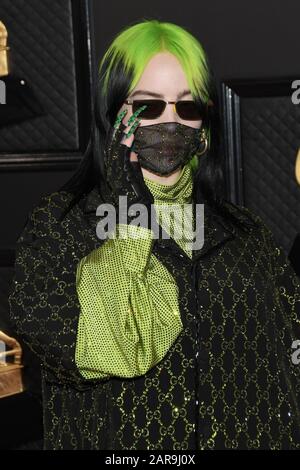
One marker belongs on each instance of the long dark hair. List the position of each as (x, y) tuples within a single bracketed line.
[(119, 71)]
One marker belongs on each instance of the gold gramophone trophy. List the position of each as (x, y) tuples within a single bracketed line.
[(10, 372)]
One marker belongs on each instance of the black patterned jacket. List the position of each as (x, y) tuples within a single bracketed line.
[(228, 381)]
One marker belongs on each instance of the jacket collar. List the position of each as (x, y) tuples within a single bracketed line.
[(216, 232), (217, 229)]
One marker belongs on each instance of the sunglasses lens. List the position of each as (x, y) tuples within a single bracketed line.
[(152, 111), (189, 111)]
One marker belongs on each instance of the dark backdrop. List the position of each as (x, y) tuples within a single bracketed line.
[(243, 40), (258, 38)]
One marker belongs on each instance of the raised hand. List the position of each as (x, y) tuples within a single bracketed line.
[(124, 177)]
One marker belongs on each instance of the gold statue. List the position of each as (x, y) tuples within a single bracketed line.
[(3, 50), (10, 372)]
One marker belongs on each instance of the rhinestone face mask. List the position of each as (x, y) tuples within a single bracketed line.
[(163, 147)]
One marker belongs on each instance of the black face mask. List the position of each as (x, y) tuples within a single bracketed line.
[(163, 147)]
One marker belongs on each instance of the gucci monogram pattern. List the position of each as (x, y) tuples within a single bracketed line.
[(227, 381)]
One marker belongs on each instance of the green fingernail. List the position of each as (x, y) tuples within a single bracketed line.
[(135, 125), (119, 118), (130, 132), (117, 123), (137, 113), (133, 117), (140, 110), (133, 128)]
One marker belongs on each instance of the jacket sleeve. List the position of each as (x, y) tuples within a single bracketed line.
[(44, 307), (287, 285), (286, 281), (129, 307), (287, 291), (285, 319)]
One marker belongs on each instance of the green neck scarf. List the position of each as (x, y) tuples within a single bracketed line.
[(178, 193), (130, 314)]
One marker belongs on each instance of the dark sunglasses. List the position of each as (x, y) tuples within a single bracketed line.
[(186, 109)]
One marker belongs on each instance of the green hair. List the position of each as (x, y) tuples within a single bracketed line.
[(135, 45), (119, 72)]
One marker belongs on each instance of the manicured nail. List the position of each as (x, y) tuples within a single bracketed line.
[(138, 111), (119, 118), (133, 127)]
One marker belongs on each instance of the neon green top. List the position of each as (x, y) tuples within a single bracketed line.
[(179, 195), (129, 315)]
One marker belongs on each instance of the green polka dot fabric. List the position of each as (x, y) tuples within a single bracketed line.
[(129, 314), (177, 198)]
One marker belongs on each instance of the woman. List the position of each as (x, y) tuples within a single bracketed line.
[(150, 341)]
